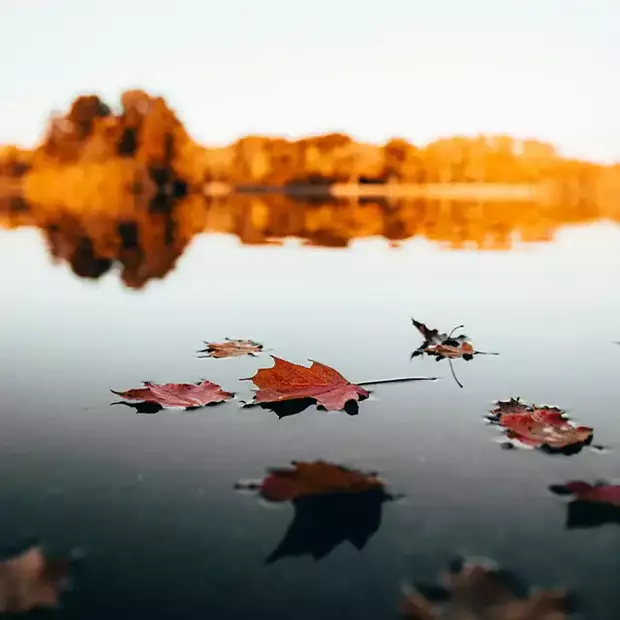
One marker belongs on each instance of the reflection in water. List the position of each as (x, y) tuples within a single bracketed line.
[(322, 522), (592, 504), (333, 504), (581, 514), (145, 239)]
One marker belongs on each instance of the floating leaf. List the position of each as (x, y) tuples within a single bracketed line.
[(30, 581), (177, 395), (599, 493), (314, 478), (592, 504), (289, 381), (442, 345), (333, 504), (445, 346), (540, 427), (472, 590), (231, 348)]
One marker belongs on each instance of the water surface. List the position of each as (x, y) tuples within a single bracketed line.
[(150, 499)]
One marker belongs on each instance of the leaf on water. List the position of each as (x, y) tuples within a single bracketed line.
[(231, 348), (599, 493), (472, 590), (443, 345), (315, 478), (592, 504), (541, 427), (288, 381), (177, 395), (333, 504), (30, 581)]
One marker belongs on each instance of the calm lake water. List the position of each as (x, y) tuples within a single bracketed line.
[(149, 499)]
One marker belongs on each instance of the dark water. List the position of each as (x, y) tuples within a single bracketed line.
[(150, 499)]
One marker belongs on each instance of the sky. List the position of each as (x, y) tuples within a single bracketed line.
[(546, 69)]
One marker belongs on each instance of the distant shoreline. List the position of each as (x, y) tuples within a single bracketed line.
[(484, 192), (432, 191)]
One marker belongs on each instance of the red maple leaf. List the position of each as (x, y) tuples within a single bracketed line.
[(289, 381), (313, 478), (171, 395), (599, 493), (539, 427), (231, 348), (31, 581)]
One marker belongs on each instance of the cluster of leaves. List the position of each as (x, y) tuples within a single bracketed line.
[(334, 504), (284, 382), (543, 427)]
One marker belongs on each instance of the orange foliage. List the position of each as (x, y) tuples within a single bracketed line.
[(148, 133), (144, 238)]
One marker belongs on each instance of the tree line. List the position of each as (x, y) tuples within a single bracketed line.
[(147, 132)]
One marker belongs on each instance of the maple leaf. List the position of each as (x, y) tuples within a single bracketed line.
[(445, 346), (30, 581), (542, 427), (592, 504), (314, 478), (332, 503), (177, 395), (231, 348), (479, 589), (289, 381)]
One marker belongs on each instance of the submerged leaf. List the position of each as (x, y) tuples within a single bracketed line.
[(231, 348), (477, 590), (175, 395), (540, 427), (31, 581), (288, 381)]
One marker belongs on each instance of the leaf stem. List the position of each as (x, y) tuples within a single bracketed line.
[(395, 380)]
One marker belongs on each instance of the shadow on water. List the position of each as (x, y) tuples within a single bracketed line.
[(149, 407), (289, 408)]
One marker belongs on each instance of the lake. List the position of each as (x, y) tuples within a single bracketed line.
[(149, 500)]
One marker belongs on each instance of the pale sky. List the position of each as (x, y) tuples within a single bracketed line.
[(531, 68)]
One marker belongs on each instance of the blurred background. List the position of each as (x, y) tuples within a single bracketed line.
[(310, 176)]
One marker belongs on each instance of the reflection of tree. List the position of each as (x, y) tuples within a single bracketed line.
[(322, 522), (145, 238), (144, 244)]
